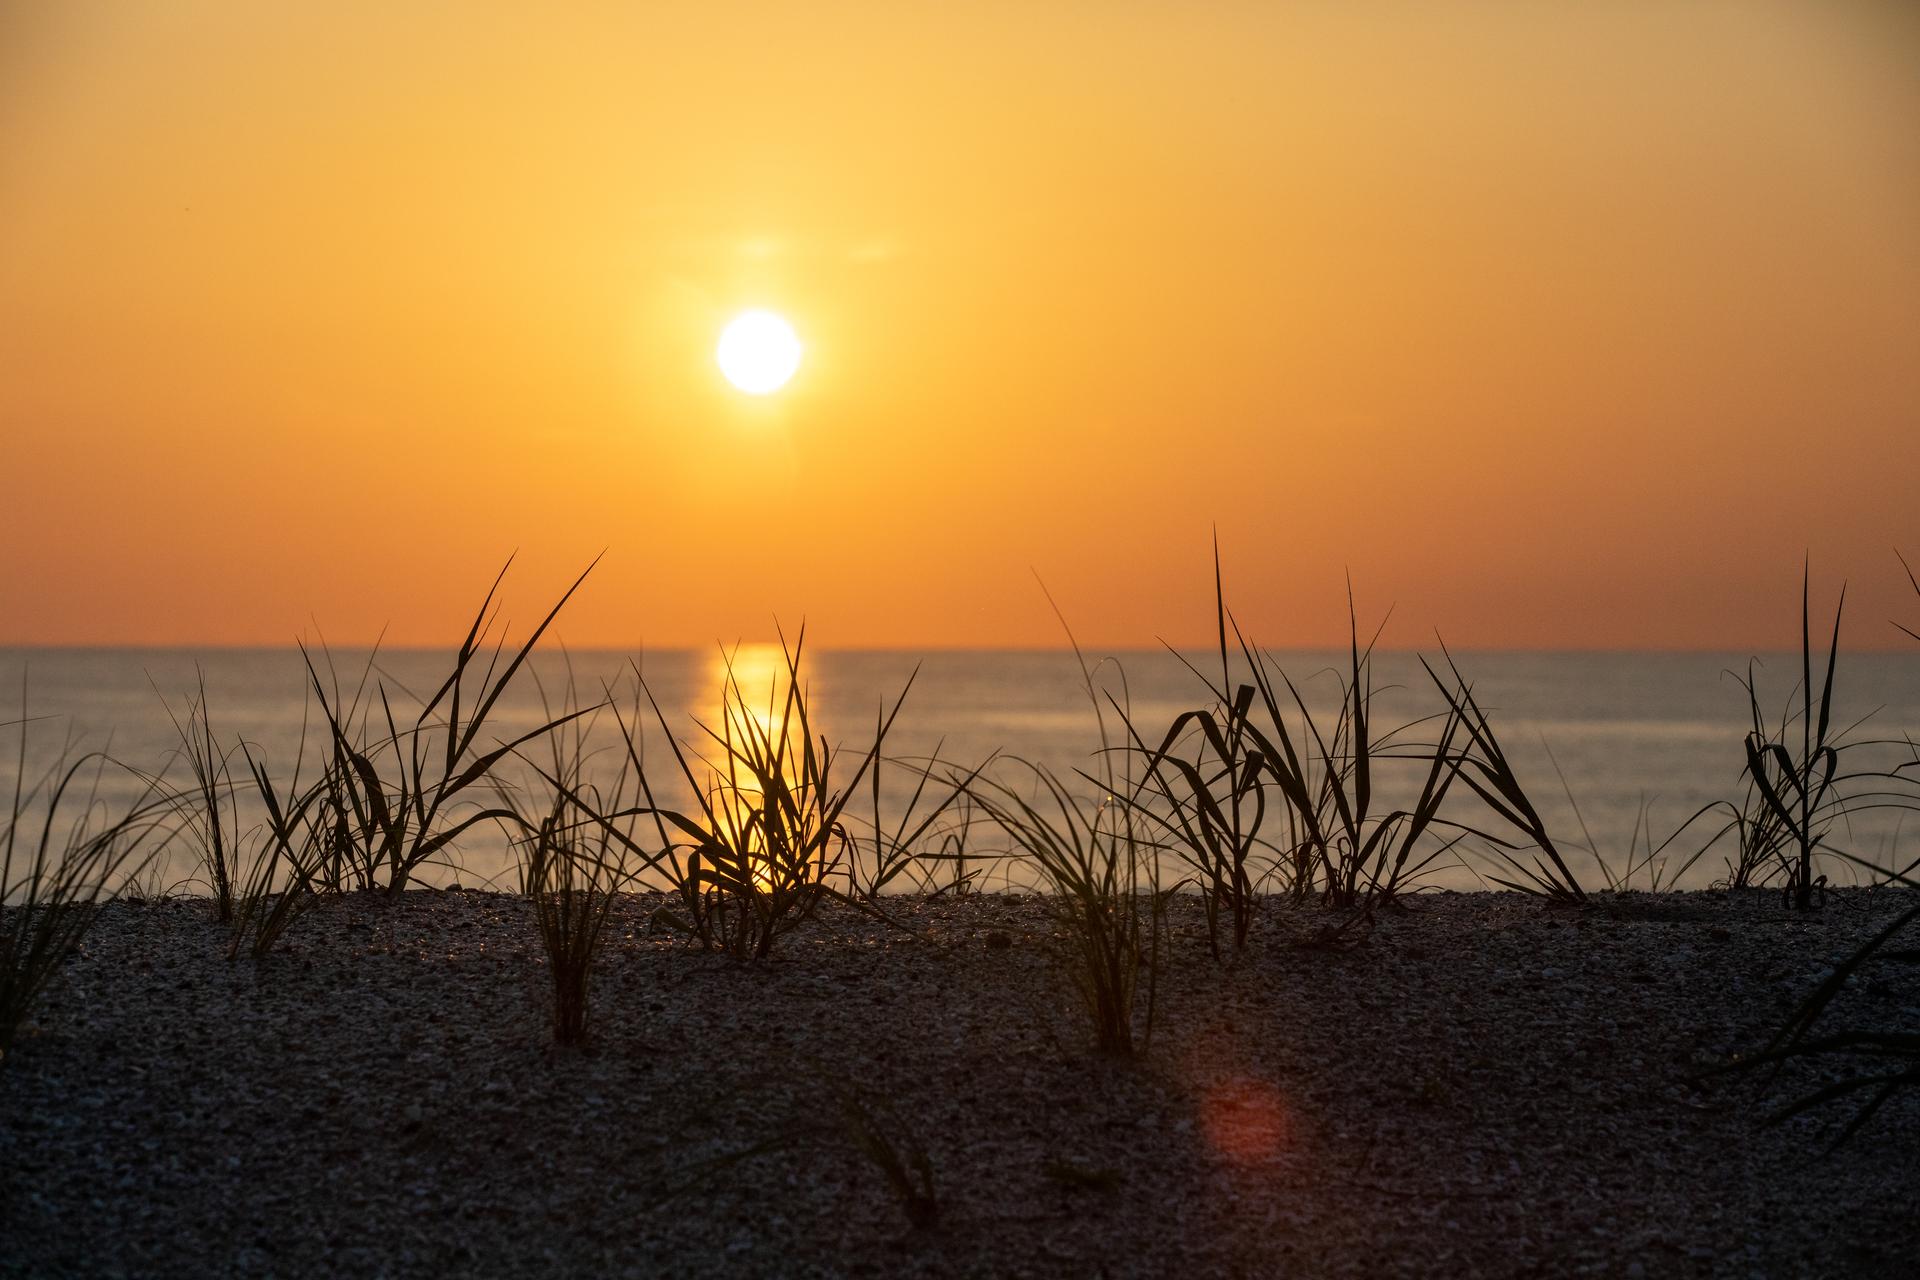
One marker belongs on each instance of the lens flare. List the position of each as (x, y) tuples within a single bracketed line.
[(1245, 1120)]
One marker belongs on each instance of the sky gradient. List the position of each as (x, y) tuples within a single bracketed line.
[(1556, 326)]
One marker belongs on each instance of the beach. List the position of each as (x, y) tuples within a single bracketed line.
[(1475, 1084)]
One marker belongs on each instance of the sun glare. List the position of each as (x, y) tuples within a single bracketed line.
[(758, 352)]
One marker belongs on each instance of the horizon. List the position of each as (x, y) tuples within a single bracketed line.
[(1091, 649)]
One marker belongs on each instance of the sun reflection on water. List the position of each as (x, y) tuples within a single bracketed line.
[(746, 685), (754, 713)]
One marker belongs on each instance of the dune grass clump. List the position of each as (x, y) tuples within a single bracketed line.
[(1100, 870), (260, 877), (1331, 836), (386, 801), (1209, 776), (957, 852), (1488, 772), (60, 852), (1101, 866), (914, 847), (1212, 802), (575, 858), (1660, 864), (210, 810), (1356, 855), (768, 832), (571, 875), (399, 797), (1881, 1063), (1797, 787), (273, 893), (279, 884), (1761, 843), (1801, 784), (1212, 779), (1797, 793)]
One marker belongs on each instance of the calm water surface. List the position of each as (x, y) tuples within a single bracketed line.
[(1627, 730)]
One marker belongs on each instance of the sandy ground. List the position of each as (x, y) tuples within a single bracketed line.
[(1484, 1087)]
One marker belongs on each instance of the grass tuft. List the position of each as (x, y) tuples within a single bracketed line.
[(574, 863), (756, 856), (1877, 1063), (1101, 866), (59, 853), (1796, 787), (399, 798), (1488, 772), (1208, 775), (210, 810), (1340, 842)]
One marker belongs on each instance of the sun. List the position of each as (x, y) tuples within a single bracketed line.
[(758, 352)]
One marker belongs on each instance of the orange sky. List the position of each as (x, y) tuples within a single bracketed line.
[(1558, 325)]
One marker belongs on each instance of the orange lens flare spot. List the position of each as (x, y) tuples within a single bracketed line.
[(1245, 1120)]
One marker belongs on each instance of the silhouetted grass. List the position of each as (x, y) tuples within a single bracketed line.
[(1913, 581), (571, 881), (1883, 1062), (1342, 845), (273, 893), (1209, 775), (901, 850), (400, 796), (954, 849), (768, 832), (1797, 786), (210, 811), (303, 833), (1767, 836), (1641, 855), (1101, 867), (575, 860), (1910, 770), (1800, 793), (1760, 837), (59, 853), (1484, 766)]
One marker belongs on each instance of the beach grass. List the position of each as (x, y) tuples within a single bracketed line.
[(768, 831), (1099, 862), (1100, 873), (575, 858), (1209, 777), (1880, 1063), (60, 852), (1534, 863), (403, 796), (210, 807)]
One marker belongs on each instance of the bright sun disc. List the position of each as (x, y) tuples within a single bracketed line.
[(758, 352)]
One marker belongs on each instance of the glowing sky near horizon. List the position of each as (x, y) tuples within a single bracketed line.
[(1563, 326)]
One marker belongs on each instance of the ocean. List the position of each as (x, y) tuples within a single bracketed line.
[(1643, 740)]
